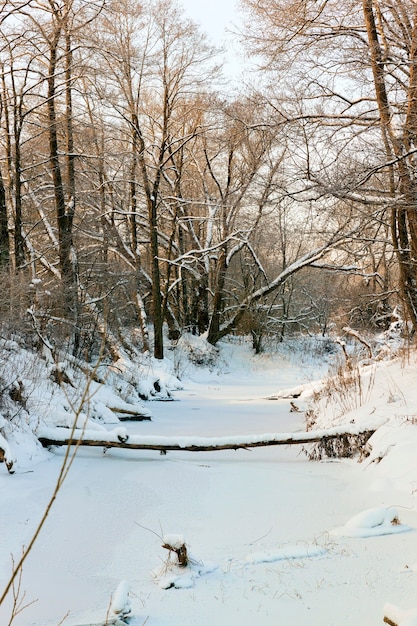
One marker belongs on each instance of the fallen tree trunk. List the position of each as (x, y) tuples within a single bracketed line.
[(125, 415), (119, 438), (165, 447)]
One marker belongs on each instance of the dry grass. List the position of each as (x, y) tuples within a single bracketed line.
[(346, 388)]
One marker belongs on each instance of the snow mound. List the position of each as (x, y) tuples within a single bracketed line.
[(372, 523), (176, 581), (399, 616), (173, 540), (171, 576), (304, 391), (120, 603)]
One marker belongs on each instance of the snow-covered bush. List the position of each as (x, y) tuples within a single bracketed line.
[(195, 350)]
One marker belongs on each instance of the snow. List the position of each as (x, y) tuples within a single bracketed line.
[(373, 522), (289, 552), (173, 540), (120, 602), (271, 536), (400, 617)]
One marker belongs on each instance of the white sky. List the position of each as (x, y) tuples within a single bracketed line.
[(213, 15)]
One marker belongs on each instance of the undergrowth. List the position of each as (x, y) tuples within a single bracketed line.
[(347, 387), (344, 447)]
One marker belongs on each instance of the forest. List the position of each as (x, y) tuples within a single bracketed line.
[(151, 206), (142, 195)]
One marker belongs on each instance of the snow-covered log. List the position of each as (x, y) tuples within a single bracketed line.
[(119, 438), (131, 415)]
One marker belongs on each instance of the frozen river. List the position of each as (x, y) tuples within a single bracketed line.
[(257, 523)]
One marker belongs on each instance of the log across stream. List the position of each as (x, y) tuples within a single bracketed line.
[(119, 438)]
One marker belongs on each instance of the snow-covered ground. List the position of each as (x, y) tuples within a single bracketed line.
[(272, 537)]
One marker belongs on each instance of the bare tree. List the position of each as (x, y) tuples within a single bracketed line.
[(353, 97), (157, 67)]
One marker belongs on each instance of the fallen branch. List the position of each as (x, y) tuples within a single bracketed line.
[(119, 438), (130, 415), (356, 335)]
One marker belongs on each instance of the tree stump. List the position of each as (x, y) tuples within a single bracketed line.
[(175, 543)]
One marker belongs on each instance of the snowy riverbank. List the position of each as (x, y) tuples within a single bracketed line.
[(272, 536)]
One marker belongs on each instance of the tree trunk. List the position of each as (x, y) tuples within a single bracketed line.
[(14, 182), (213, 334), (71, 203), (404, 216), (4, 230), (64, 216), (202, 305), (19, 252), (65, 436), (151, 203), (156, 280)]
